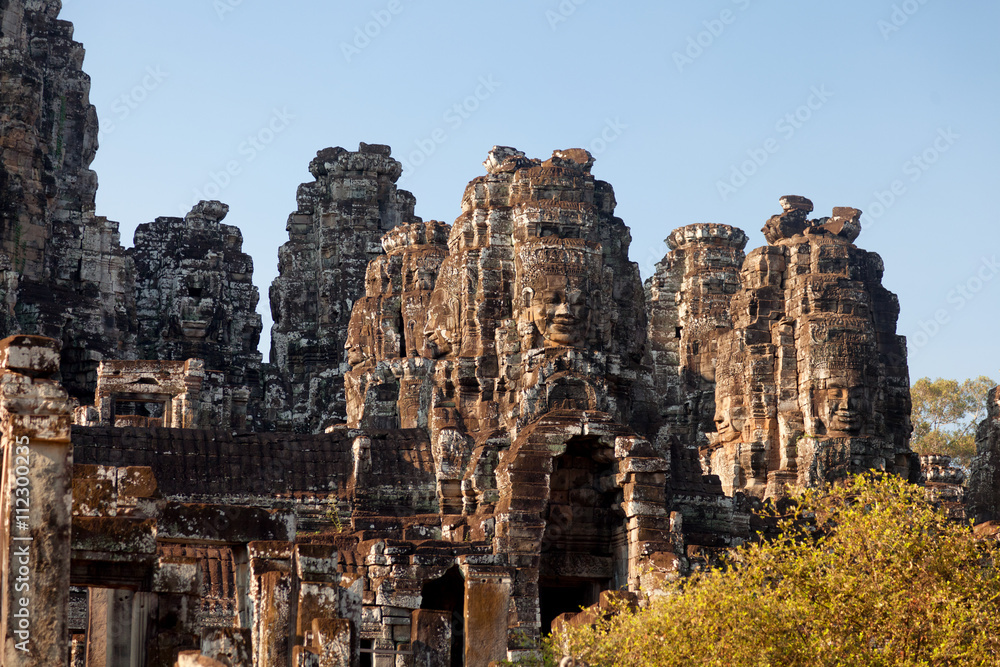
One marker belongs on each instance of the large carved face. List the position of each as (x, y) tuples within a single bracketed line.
[(730, 418), (360, 342), (196, 301), (442, 328), (560, 311), (843, 406)]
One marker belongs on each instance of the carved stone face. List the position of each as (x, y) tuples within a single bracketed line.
[(730, 417), (559, 310), (441, 331), (355, 353), (424, 278), (843, 406), (359, 341), (195, 304)]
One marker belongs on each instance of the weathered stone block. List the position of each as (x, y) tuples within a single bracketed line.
[(34, 356)]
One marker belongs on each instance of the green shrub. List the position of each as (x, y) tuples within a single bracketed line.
[(865, 573)]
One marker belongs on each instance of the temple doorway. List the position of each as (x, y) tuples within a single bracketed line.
[(584, 547), (447, 594)]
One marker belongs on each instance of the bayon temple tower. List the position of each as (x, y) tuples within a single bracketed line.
[(463, 431)]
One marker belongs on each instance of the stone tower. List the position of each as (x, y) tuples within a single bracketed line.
[(687, 301), (984, 478), (335, 232), (387, 385), (63, 273), (195, 295), (811, 382)]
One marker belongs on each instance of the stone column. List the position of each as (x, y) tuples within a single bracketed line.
[(487, 607), (35, 515), (320, 607), (109, 632), (431, 638), (273, 595)]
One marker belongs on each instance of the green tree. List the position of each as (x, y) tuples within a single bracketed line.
[(865, 573), (945, 415)]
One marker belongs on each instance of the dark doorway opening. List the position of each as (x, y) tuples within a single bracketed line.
[(566, 595), (447, 594), (584, 547)]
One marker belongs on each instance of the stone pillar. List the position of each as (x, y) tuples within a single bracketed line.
[(35, 509), (333, 642), (110, 629), (487, 605), (271, 590), (431, 638), (177, 585), (118, 627)]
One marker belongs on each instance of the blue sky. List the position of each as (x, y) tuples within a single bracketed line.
[(696, 112)]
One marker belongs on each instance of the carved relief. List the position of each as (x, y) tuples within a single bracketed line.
[(811, 380)]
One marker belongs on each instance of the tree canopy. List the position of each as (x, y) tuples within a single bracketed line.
[(945, 414), (863, 573)]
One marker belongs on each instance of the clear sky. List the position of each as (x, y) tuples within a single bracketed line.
[(695, 111)]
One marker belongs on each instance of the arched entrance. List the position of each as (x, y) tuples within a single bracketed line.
[(584, 548), (446, 595)]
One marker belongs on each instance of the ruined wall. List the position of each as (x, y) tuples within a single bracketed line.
[(812, 381), (195, 297), (74, 281), (170, 394), (984, 478), (335, 232)]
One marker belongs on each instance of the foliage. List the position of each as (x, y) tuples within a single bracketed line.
[(945, 414), (865, 573)]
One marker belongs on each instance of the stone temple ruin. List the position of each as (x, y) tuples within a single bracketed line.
[(463, 432)]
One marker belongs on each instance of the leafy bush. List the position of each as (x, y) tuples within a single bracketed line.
[(864, 573)]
